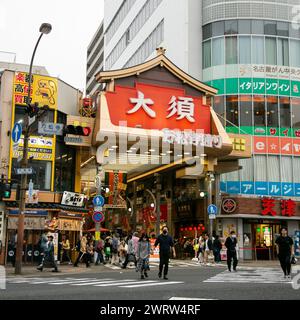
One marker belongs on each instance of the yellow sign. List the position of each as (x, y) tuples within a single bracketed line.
[(39, 149), (97, 235), (43, 90)]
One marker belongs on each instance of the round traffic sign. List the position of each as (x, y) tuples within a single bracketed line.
[(212, 209), (98, 201), (98, 217)]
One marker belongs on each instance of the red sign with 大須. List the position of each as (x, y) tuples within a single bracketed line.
[(154, 107)]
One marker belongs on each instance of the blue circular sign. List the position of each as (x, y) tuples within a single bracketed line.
[(212, 209), (98, 201), (98, 216), (16, 132)]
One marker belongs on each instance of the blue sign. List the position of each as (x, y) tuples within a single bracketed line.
[(261, 188), (274, 188), (297, 243), (16, 132), (247, 187), (98, 201), (212, 209), (98, 217), (234, 187)]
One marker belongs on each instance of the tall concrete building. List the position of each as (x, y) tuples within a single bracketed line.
[(249, 51), (95, 59)]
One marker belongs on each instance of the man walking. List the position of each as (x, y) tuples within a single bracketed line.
[(165, 243), (285, 250), (82, 252), (49, 256), (130, 252), (230, 244)]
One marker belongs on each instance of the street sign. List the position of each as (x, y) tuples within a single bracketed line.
[(16, 132), (98, 181), (98, 201), (24, 170), (98, 217), (212, 209), (212, 216), (51, 128)]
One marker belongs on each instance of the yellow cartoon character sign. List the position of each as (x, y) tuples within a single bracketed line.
[(45, 91)]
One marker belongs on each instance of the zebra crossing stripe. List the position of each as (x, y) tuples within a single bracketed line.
[(72, 281), (58, 281), (99, 283), (125, 282), (151, 284)]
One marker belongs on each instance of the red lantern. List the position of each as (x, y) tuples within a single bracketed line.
[(195, 228), (199, 228), (190, 228), (203, 228), (186, 229), (181, 229)]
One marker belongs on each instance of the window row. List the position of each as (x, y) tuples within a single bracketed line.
[(148, 46), (141, 18), (245, 26), (267, 168), (252, 111), (251, 50), (118, 19)]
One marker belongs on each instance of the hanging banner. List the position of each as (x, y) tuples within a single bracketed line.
[(116, 182), (69, 225)]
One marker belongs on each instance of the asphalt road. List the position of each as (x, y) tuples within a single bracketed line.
[(194, 282)]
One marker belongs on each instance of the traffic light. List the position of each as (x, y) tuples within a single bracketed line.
[(32, 109), (5, 190), (78, 130)]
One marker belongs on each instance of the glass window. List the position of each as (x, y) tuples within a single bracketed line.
[(271, 51), (294, 31), (206, 54), (232, 111), (219, 107), (231, 50), (246, 174), (286, 169), (296, 172), (273, 168), (294, 53), (218, 28), (258, 50), (272, 112), (246, 110), (285, 115), (283, 52), (257, 27), (244, 26), (260, 168), (42, 173), (245, 50), (270, 27), (231, 27), (259, 111), (218, 53), (295, 102), (282, 29), (207, 31)]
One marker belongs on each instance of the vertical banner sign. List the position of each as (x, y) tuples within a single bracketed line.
[(116, 182)]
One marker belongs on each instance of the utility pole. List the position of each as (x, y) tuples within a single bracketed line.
[(158, 188), (44, 29)]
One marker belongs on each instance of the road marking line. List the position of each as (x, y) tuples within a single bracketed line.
[(100, 283), (60, 280), (131, 282), (152, 284)]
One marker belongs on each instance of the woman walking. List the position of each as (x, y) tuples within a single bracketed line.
[(143, 255)]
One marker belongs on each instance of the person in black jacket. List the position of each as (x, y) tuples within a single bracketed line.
[(165, 243), (217, 247), (230, 244), (285, 250)]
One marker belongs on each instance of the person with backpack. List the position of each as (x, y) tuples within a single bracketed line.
[(99, 250), (115, 249)]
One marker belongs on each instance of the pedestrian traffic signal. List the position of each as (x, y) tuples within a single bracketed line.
[(5, 190), (78, 130)]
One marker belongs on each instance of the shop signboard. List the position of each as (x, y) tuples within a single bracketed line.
[(69, 224), (297, 243), (30, 223), (73, 199)]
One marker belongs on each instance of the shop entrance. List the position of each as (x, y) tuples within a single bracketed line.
[(264, 240)]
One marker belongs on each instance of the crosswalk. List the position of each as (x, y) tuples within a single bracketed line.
[(92, 282), (251, 275)]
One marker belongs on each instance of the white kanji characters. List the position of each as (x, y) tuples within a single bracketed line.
[(184, 108), (141, 102)]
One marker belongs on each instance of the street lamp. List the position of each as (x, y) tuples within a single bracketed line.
[(45, 28)]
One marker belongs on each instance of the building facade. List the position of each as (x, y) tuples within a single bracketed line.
[(249, 51)]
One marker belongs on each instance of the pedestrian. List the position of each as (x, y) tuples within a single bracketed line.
[(285, 252), (217, 247), (82, 251), (200, 251), (207, 248), (49, 256), (89, 251), (65, 244), (131, 253), (115, 249), (107, 248), (230, 244), (42, 246), (165, 243), (123, 247), (143, 255), (100, 252), (135, 240)]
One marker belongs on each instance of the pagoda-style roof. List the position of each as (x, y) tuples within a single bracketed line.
[(162, 61)]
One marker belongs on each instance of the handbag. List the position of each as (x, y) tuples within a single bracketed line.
[(293, 260)]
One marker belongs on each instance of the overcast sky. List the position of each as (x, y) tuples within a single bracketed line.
[(63, 51)]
